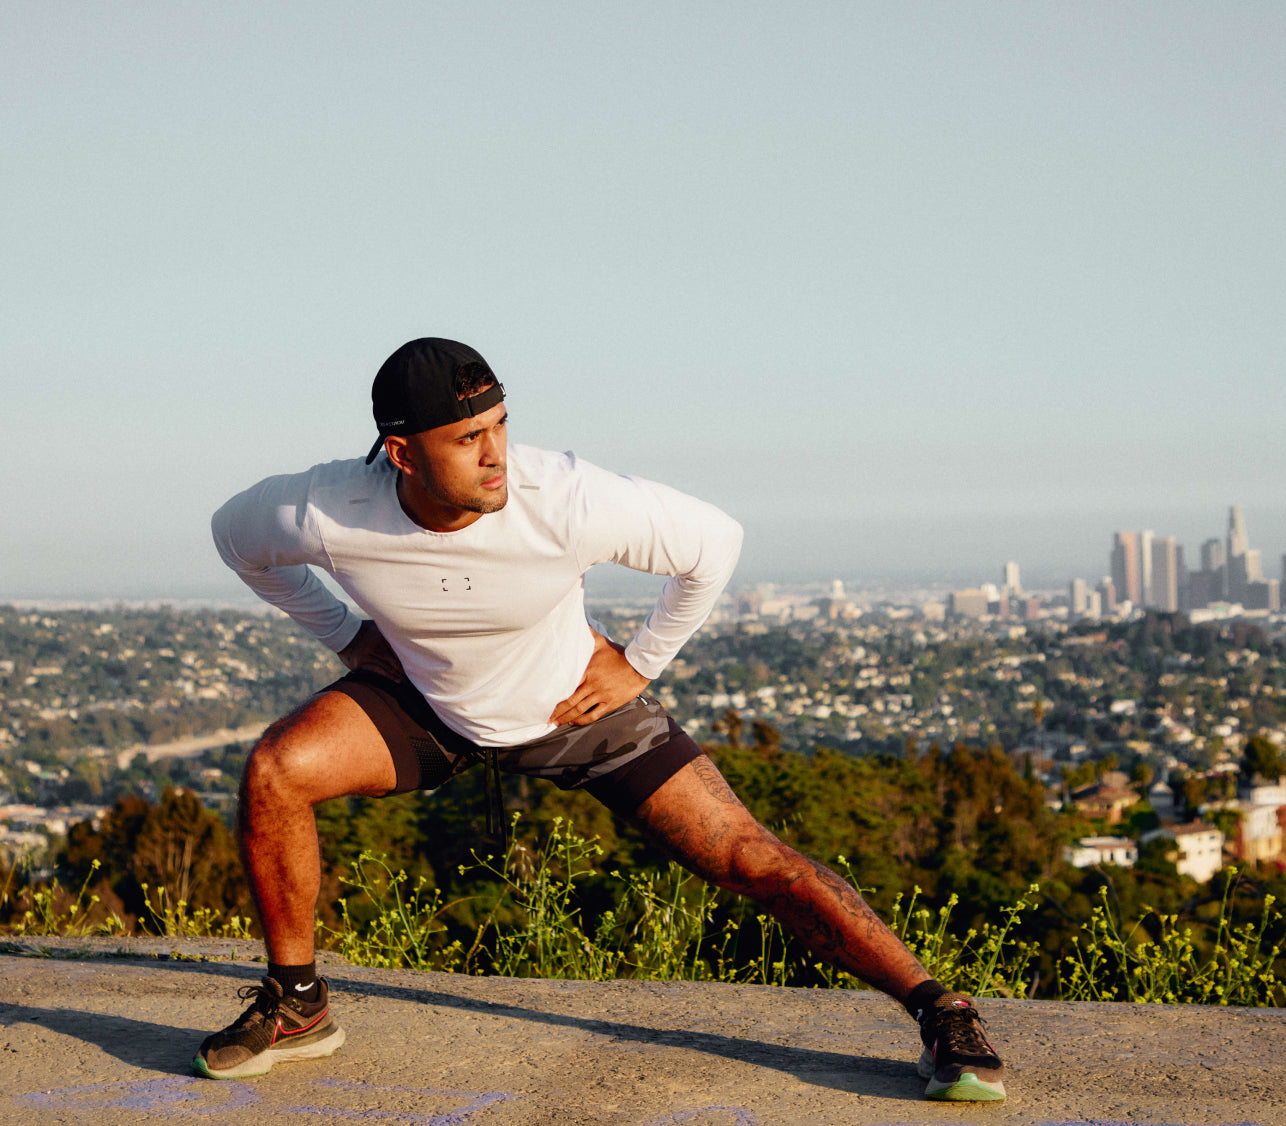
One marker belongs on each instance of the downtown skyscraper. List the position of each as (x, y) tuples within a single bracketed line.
[(1148, 570)]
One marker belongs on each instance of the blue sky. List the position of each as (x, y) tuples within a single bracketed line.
[(910, 289)]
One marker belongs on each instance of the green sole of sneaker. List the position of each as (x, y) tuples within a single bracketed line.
[(968, 1089), (263, 1063)]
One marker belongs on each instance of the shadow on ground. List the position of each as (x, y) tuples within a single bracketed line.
[(169, 1049)]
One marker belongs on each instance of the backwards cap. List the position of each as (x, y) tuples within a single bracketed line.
[(414, 390)]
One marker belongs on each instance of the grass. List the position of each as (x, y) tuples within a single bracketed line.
[(667, 925)]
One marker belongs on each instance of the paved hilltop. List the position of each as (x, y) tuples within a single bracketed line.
[(96, 1034)]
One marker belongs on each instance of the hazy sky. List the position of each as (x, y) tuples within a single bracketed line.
[(910, 289)]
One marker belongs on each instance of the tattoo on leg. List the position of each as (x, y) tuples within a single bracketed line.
[(714, 782), (827, 914), (716, 838)]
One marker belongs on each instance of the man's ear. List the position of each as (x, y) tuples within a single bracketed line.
[(395, 447)]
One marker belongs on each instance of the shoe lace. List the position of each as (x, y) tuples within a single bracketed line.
[(266, 1004), (961, 1031)]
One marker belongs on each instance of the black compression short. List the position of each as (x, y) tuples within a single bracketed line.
[(622, 759)]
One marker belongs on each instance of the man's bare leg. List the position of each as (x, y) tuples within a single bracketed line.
[(699, 821), (327, 748)]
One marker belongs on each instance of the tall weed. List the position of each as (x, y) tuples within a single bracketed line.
[(178, 919), (51, 913), (1111, 962), (982, 963), (406, 931)]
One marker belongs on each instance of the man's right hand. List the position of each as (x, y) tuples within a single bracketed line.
[(369, 652)]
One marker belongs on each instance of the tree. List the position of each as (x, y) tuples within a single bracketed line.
[(178, 845), (1261, 759)]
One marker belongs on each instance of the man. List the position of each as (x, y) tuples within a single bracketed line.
[(468, 556)]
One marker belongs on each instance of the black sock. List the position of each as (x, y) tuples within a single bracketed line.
[(920, 1000), (299, 982)]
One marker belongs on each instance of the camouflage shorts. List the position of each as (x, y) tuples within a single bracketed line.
[(621, 759)]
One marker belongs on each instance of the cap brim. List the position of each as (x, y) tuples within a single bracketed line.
[(375, 449)]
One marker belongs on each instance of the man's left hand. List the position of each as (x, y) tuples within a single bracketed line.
[(609, 681)]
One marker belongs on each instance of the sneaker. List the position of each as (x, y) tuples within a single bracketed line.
[(274, 1029), (957, 1061)]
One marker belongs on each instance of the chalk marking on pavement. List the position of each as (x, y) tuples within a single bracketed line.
[(174, 1094), (167, 1093), (480, 1099), (1119, 1122), (740, 1115)]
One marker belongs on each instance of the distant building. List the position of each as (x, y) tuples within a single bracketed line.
[(1198, 848), (834, 606), (1089, 851), (1254, 565), (1161, 799), (1145, 566), (1205, 587), (1055, 745), (1213, 555), (967, 603), (1108, 799), (1107, 596), (1013, 585), (1238, 541), (1164, 582), (1076, 600), (1262, 595), (1210, 584), (1237, 563), (748, 603), (1126, 575), (1259, 832)]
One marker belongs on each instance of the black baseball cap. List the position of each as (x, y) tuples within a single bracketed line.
[(414, 390)]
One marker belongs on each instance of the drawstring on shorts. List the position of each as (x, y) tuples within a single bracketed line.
[(497, 826)]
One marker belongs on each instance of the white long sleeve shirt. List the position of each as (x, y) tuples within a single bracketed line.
[(488, 621)]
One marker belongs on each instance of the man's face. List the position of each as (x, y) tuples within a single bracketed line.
[(453, 474)]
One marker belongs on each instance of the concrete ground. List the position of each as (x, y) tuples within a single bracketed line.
[(88, 1035)]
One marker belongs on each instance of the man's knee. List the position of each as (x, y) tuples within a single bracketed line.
[(758, 864), (289, 759), (283, 763), (325, 749)]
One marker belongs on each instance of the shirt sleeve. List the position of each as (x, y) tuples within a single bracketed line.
[(651, 527), (265, 536)]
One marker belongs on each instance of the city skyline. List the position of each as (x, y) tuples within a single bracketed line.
[(1146, 570), (1151, 571)]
